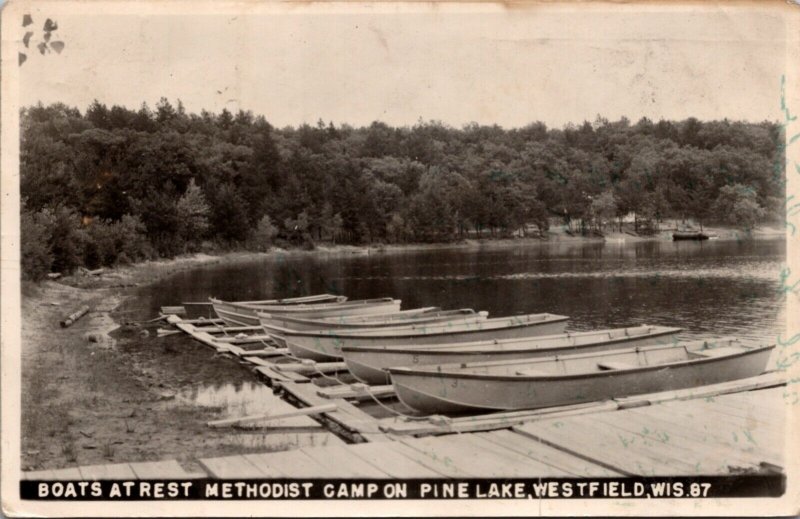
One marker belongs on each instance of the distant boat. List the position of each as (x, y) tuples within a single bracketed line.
[(326, 345), (689, 235), (416, 317), (574, 379), (369, 363), (242, 313)]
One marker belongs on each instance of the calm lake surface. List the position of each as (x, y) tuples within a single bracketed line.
[(713, 288)]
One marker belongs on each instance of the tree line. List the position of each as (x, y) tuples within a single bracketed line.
[(113, 185)]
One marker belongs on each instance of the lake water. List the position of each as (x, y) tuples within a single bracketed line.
[(713, 288)]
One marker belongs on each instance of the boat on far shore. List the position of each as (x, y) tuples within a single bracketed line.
[(690, 235)]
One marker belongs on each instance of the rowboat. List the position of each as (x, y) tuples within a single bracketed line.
[(244, 314), (689, 235), (327, 344), (303, 300), (369, 363), (431, 315), (573, 379)]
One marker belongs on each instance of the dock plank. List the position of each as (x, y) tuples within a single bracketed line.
[(359, 393), (704, 440), (295, 464), (43, 475), (766, 442), (544, 453), (486, 460), (346, 414), (334, 457), (234, 467), (279, 377), (167, 469), (608, 447), (391, 461), (427, 458), (504, 462), (107, 471), (702, 457), (71, 473)]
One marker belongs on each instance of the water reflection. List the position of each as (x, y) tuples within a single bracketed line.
[(242, 398)]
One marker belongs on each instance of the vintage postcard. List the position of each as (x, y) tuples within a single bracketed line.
[(400, 259)]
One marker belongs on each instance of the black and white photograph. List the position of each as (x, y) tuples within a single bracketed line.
[(400, 259)]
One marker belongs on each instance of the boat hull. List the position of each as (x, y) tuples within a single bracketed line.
[(423, 317), (342, 310), (369, 364), (329, 347), (451, 393)]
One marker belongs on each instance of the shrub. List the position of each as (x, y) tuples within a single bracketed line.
[(262, 236), (36, 255), (65, 239)]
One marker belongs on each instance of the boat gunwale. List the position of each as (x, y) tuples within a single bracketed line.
[(593, 374), (323, 333), (440, 348), (423, 313), (278, 308)]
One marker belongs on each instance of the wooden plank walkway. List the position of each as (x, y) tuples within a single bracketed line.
[(731, 433), (726, 434), (346, 415), (167, 469), (686, 437)]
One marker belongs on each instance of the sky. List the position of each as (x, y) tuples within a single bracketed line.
[(483, 64)]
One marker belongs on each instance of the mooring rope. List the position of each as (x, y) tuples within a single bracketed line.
[(373, 397)]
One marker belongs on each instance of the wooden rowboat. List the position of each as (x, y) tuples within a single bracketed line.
[(428, 316), (369, 363), (239, 314), (573, 379), (326, 345), (243, 313)]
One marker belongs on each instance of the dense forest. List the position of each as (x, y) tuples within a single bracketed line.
[(115, 185)]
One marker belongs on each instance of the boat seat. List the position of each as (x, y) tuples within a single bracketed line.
[(615, 365)]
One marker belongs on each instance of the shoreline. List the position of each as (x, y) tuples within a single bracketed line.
[(99, 392)]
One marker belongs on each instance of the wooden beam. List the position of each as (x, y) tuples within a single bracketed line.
[(173, 310), (360, 392), (312, 368), (304, 411)]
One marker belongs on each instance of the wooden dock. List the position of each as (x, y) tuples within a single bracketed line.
[(729, 428), (727, 434), (168, 469)]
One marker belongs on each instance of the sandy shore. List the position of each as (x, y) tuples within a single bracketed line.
[(99, 392)]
